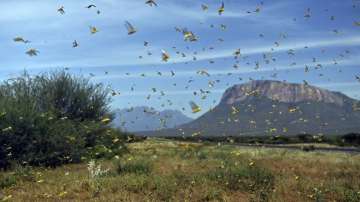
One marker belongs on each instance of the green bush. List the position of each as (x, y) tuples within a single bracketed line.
[(52, 119), (109, 145)]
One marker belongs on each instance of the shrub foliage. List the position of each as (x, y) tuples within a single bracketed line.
[(54, 118)]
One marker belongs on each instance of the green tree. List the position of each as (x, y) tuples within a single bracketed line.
[(54, 118)]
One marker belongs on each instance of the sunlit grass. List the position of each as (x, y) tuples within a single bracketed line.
[(162, 170)]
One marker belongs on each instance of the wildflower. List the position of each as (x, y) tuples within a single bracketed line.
[(95, 170)]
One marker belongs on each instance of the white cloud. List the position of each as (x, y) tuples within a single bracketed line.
[(294, 45)]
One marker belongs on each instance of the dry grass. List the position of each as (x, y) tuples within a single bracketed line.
[(162, 170)]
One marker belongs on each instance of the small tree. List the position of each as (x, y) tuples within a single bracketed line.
[(74, 97), (51, 119)]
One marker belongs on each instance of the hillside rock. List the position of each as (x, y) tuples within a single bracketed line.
[(276, 108), (282, 92)]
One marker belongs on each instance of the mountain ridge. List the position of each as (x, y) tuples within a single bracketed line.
[(281, 91), (265, 107), (143, 118)]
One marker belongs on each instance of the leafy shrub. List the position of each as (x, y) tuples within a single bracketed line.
[(109, 145), (52, 119)]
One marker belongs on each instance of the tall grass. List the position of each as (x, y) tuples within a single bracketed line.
[(138, 166), (257, 180), (169, 175)]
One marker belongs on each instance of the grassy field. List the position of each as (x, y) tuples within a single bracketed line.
[(164, 170)]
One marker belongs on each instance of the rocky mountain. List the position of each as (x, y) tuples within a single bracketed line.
[(148, 119), (266, 107), (282, 92)]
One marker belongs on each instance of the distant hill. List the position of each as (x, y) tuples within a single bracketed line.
[(265, 107), (148, 119)]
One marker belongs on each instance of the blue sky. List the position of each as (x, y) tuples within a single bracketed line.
[(332, 46)]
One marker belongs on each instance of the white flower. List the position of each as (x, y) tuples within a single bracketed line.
[(95, 170)]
